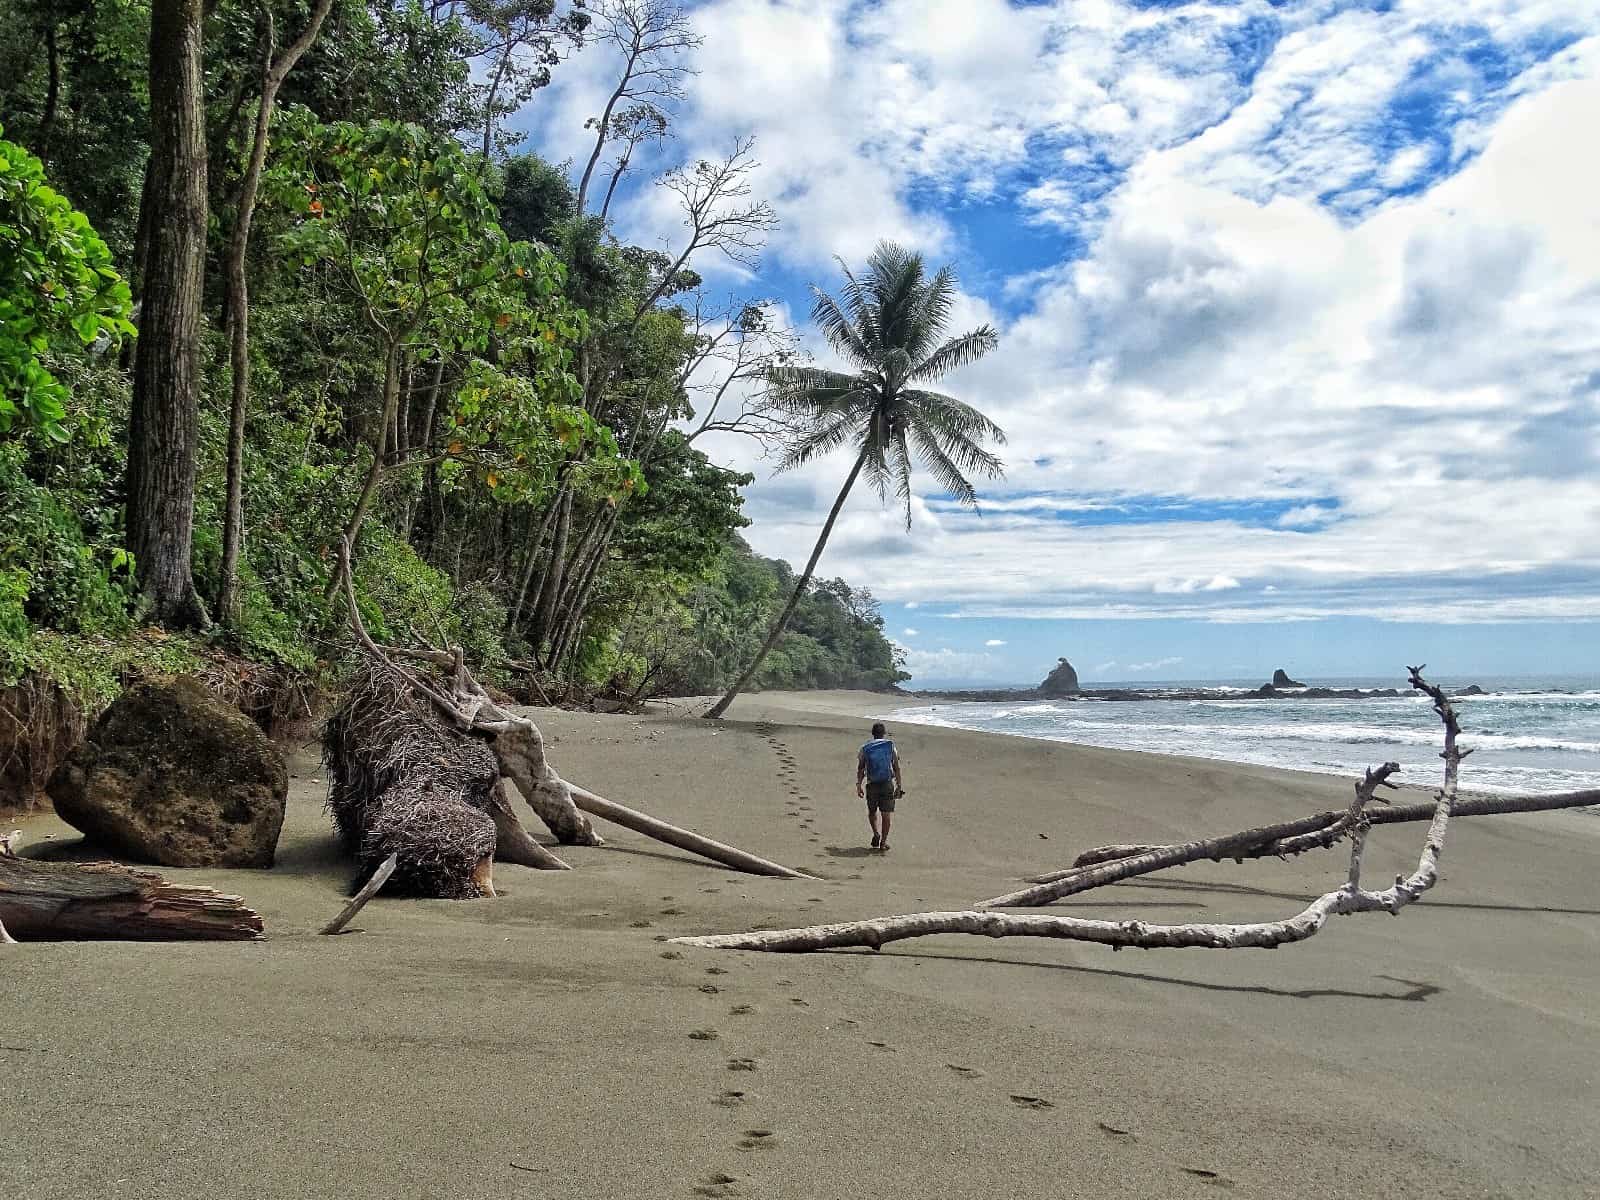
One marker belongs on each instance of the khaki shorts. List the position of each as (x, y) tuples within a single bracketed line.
[(880, 796)]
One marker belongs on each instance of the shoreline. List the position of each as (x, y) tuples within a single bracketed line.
[(570, 1041)]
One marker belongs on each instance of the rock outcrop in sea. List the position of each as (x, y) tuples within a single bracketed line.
[(1062, 681), (1280, 678)]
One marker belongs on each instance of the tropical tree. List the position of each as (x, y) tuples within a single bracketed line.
[(890, 326)]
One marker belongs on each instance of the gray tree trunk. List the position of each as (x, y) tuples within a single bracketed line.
[(162, 427)]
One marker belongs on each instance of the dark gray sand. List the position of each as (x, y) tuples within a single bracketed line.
[(546, 1044)]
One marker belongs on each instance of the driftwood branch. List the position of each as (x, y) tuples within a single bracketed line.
[(367, 892), (1349, 898), (1283, 840)]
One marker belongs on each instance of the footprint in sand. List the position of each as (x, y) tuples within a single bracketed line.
[(885, 1047), (741, 1010), (730, 1098), (641, 924), (741, 1064), (672, 912), (718, 1184), (799, 1003), (716, 971), (1214, 1178), (756, 1139), (1034, 1102), (671, 954), (710, 989), (703, 1035), (1113, 1131), (966, 1072)]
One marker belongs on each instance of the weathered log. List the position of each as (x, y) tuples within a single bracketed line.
[(367, 892), (1349, 898), (51, 900), (683, 839), (1103, 865)]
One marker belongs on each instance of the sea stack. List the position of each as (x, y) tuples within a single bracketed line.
[(1063, 681), (1280, 678)]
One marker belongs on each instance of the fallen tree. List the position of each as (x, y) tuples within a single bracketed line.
[(1110, 864), (49, 901), (1347, 899), (419, 758)]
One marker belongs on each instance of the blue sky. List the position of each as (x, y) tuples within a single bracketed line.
[(1298, 306)]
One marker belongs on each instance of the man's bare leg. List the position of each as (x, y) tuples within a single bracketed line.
[(883, 843), (872, 819)]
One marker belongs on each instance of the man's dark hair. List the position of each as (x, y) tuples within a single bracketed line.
[(878, 730)]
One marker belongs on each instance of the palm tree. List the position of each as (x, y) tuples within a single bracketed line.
[(889, 325)]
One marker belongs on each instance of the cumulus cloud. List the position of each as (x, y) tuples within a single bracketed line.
[(995, 642), (910, 632)]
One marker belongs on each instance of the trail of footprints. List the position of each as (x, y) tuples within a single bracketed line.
[(797, 807), (723, 1184)]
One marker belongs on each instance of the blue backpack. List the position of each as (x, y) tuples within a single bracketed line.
[(880, 760)]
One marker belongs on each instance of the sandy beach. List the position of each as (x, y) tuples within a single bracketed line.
[(548, 1044)]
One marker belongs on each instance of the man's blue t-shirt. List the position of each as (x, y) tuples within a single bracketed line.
[(879, 754)]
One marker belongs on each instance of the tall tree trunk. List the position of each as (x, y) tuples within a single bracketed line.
[(162, 431), (52, 96), (721, 706), (273, 73)]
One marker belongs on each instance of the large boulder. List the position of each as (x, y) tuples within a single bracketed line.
[(1280, 678), (1063, 681), (170, 775)]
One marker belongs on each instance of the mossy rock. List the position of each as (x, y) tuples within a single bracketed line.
[(171, 775)]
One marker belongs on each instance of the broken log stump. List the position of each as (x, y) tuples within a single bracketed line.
[(47, 901)]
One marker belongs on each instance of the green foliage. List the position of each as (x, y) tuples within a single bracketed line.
[(404, 600), (58, 291), (401, 216)]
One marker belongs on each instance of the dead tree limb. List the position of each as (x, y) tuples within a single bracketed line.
[(1283, 840), (367, 892), (683, 839), (1349, 898), (42, 900)]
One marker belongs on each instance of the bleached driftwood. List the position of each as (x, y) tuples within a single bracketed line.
[(367, 892), (519, 748), (1103, 865), (1350, 898)]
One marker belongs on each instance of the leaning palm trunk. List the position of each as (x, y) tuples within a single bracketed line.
[(782, 623)]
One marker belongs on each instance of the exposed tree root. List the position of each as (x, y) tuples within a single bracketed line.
[(456, 711), (1350, 898)]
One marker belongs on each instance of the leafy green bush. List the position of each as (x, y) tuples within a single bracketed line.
[(57, 289)]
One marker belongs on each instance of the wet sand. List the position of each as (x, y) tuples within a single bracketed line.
[(548, 1044)]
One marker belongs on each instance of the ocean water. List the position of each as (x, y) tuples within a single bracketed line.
[(1528, 734)]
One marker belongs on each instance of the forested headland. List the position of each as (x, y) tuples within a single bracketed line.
[(276, 274)]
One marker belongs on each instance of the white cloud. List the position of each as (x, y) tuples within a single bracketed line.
[(1158, 664), (995, 642), (910, 632), (948, 664), (912, 604)]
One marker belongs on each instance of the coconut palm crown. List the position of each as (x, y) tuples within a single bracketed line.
[(889, 324)]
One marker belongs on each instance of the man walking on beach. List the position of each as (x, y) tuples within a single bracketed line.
[(879, 767)]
